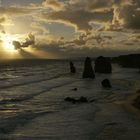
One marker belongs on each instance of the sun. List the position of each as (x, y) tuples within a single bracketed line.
[(8, 43), (9, 46)]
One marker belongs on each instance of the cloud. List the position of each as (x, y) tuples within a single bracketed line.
[(112, 14), (53, 4), (14, 11), (91, 4), (92, 44), (29, 41), (100, 25), (130, 14), (70, 51), (80, 19), (2, 20), (126, 15), (39, 29)]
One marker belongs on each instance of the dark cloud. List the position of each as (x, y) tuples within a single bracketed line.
[(131, 15), (70, 51), (91, 4), (117, 13), (29, 41), (17, 45), (2, 20), (14, 11), (53, 4), (92, 17), (129, 43), (80, 19)]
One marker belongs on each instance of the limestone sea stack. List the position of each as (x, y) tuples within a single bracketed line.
[(88, 70), (72, 67), (103, 65)]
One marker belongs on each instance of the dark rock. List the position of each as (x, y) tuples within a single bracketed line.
[(112, 123), (106, 83), (93, 100), (74, 89), (72, 68), (73, 100), (103, 65), (128, 61), (70, 99), (82, 100), (88, 70)]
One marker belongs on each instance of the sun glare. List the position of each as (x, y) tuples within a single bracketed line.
[(7, 43), (9, 46)]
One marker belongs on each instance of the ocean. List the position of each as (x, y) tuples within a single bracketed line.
[(32, 102)]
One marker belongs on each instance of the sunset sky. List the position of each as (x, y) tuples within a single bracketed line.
[(68, 28)]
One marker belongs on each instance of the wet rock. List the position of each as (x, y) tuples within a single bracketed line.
[(72, 68), (82, 100), (103, 65), (93, 100), (88, 70), (74, 89), (70, 99), (73, 100), (112, 123), (106, 83)]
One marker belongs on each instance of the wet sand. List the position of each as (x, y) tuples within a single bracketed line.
[(132, 104)]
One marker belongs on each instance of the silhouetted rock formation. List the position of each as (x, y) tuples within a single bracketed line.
[(88, 70), (128, 61), (103, 65), (72, 68), (106, 83), (73, 100), (74, 89)]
